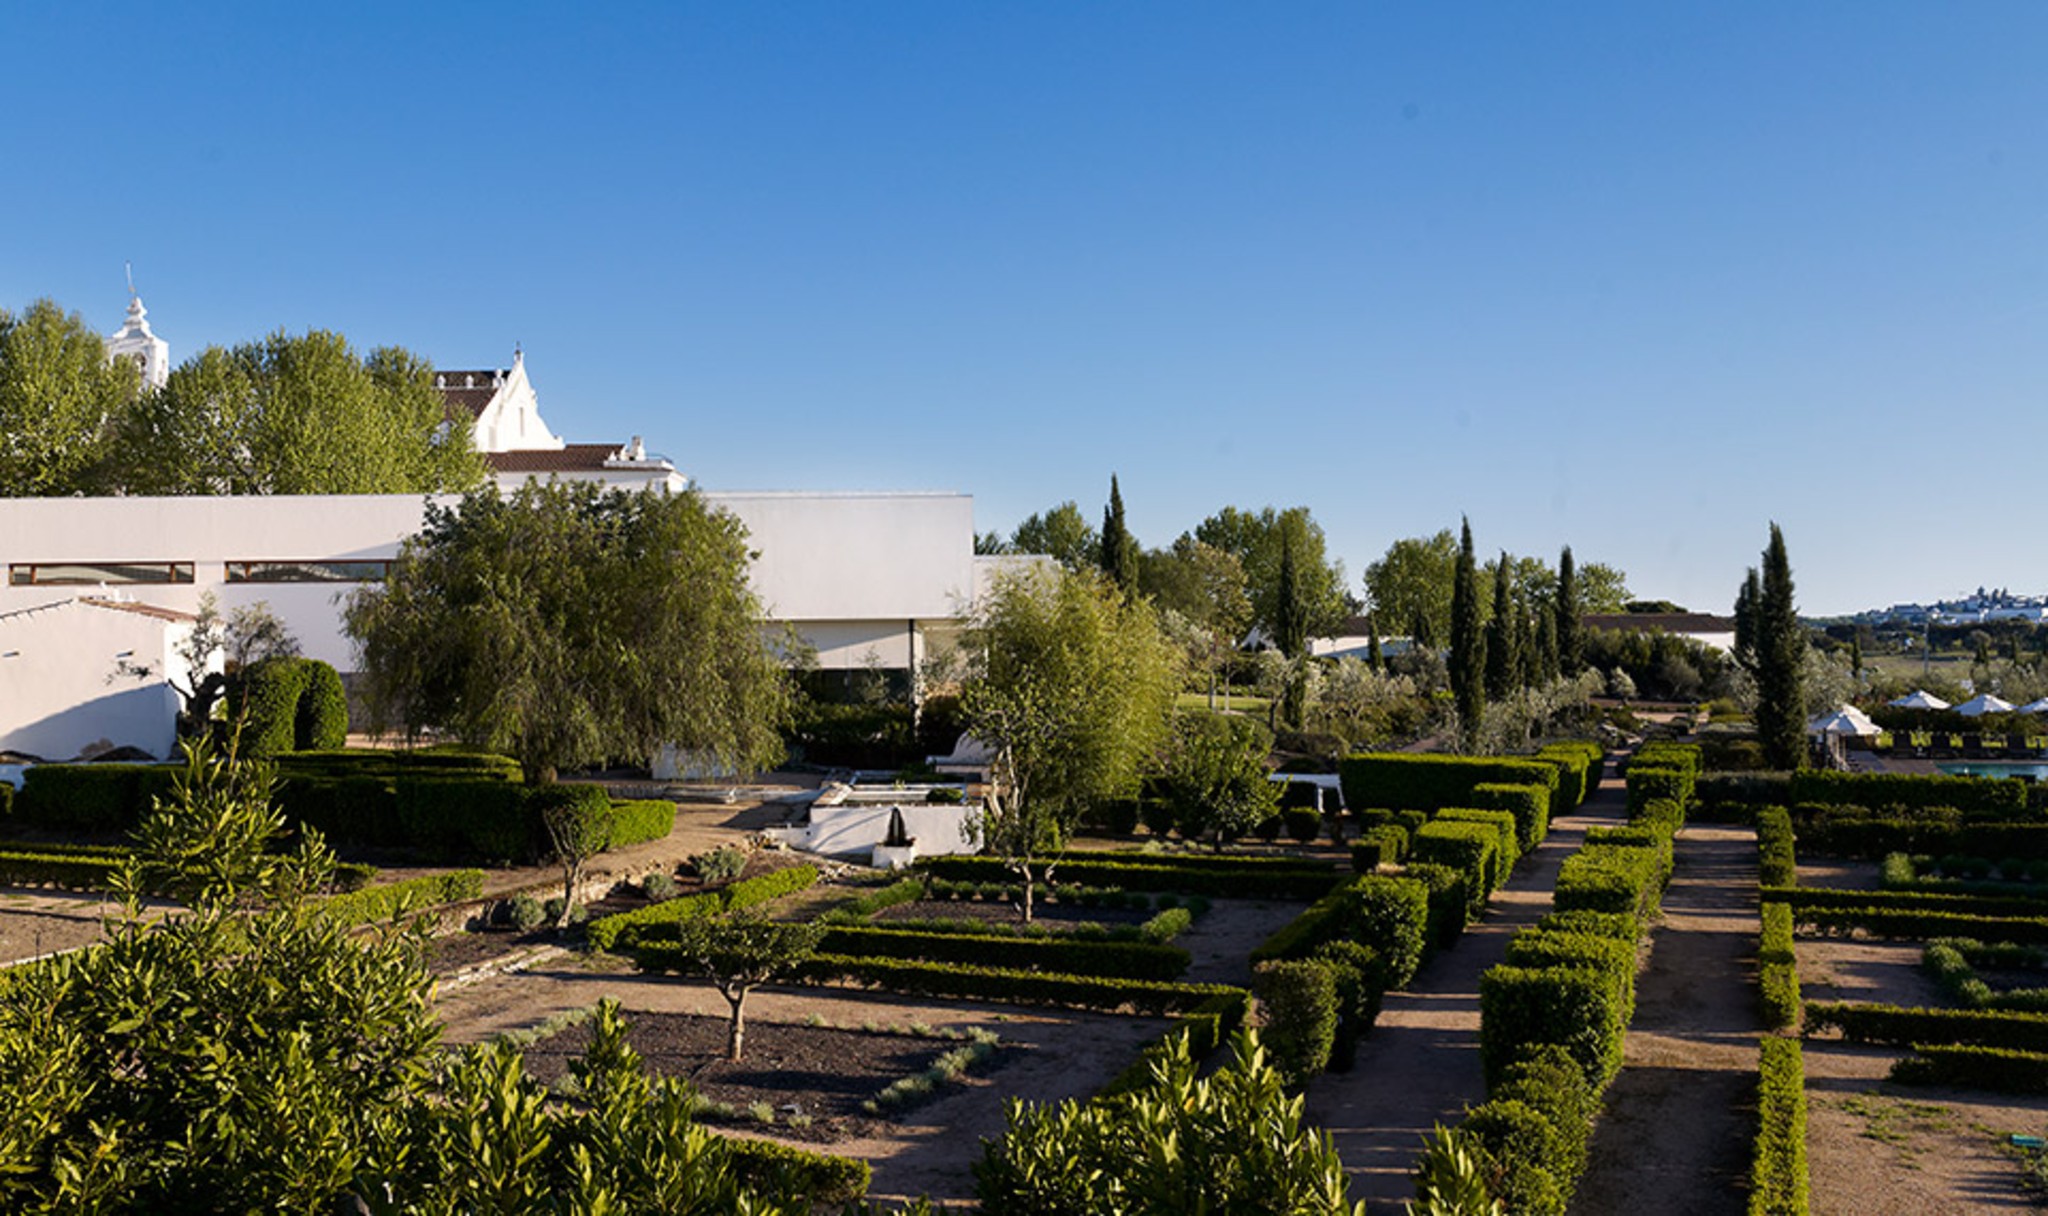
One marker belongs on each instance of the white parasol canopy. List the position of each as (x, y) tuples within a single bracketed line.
[(1848, 720), (1984, 703), (2035, 707), (1920, 699)]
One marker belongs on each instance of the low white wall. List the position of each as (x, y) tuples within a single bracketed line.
[(66, 680), (854, 830)]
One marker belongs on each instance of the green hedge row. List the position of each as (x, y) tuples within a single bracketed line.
[(1204, 859), (1914, 924), (1428, 781), (1777, 1171), (1386, 914), (1895, 1026), (288, 704), (1778, 864), (1533, 1131), (91, 797), (828, 1181), (1579, 763), (1131, 960), (1614, 877), (1975, 797), (962, 982), (1471, 849), (1449, 901), (80, 872), (1307, 880), (1324, 920), (1777, 968), (373, 904), (1529, 804), (1301, 1007), (641, 820), (1647, 785), (1901, 901), (1385, 845), (1205, 1027), (1998, 1069), (628, 928), (1507, 835)]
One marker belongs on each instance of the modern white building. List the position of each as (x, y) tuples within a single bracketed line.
[(870, 580)]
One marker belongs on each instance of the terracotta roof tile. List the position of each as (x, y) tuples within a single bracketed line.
[(148, 610), (572, 458), (470, 391)]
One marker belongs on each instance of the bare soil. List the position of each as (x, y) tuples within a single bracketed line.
[(39, 921), (1864, 969), (819, 1074)]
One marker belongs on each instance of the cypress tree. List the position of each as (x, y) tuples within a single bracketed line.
[(1468, 643), (1747, 598), (1565, 617), (1780, 656), (1119, 547), (1528, 664), (1547, 668), (1503, 664), (1291, 625)]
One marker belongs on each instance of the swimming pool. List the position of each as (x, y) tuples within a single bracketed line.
[(1997, 768)]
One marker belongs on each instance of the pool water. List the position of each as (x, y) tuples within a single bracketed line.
[(1995, 768)]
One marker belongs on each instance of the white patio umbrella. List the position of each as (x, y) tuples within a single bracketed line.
[(2035, 707), (1920, 699), (1848, 720), (1984, 703)]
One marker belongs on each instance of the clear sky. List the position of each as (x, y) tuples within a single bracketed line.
[(1636, 277)]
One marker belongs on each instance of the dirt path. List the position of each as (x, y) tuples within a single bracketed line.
[(1420, 1065), (1222, 940), (1676, 1134)]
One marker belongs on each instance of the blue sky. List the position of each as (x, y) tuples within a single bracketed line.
[(1639, 278)]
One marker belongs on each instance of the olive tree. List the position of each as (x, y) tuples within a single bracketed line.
[(739, 953), (570, 623), (1070, 686)]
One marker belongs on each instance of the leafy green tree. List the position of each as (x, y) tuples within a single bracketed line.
[(578, 822), (1503, 658), (1231, 1142), (1199, 593), (739, 953), (295, 415), (1119, 547), (1780, 661), (58, 395), (1070, 687), (569, 623), (1062, 534), (1410, 586), (1256, 540), (1215, 776), (1468, 642), (244, 636), (1565, 613)]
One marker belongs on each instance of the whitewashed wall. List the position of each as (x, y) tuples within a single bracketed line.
[(67, 679)]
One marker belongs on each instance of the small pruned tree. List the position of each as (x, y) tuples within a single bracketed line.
[(739, 953), (1070, 686), (578, 819), (1214, 772)]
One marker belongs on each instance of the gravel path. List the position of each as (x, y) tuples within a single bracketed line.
[(1675, 1137), (1420, 1065)]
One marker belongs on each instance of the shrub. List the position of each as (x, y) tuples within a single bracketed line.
[(527, 913), (489, 820), (722, 864), (1390, 916), (1612, 878), (1579, 763), (1448, 901), (1132, 960), (1198, 874), (1300, 1000), (1386, 844), (1470, 848), (1359, 973), (1778, 866), (1529, 804), (659, 886), (1893, 1026), (1550, 1081), (964, 982), (1522, 1008), (1777, 1175), (1975, 797), (1600, 924), (1303, 825), (265, 695), (1507, 844), (1425, 781), (828, 1181), (320, 722), (1322, 921), (1777, 970), (1522, 1148), (372, 904), (641, 820), (1998, 1069), (1647, 785), (552, 910), (1197, 1032), (625, 928), (90, 797)]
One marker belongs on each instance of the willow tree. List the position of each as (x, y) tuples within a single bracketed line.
[(1071, 687), (568, 624)]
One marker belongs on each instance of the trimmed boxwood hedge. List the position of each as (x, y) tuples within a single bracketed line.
[(91, 797), (640, 820), (1976, 797), (1299, 997), (964, 982), (1307, 880), (827, 1180), (1508, 848), (1529, 804), (1324, 920), (1778, 865), (393, 899), (1385, 845), (1612, 878), (1777, 968), (1647, 785), (1131, 960), (1577, 1008), (1904, 901), (1920, 925), (1428, 781), (1777, 1172), (1449, 899), (1579, 763), (1472, 849), (628, 928), (1896, 1026), (1998, 1069)]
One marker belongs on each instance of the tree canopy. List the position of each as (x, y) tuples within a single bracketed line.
[(568, 624), (1256, 540), (1061, 533), (295, 414), (1070, 686), (58, 393)]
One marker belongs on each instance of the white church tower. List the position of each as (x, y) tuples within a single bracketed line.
[(150, 354)]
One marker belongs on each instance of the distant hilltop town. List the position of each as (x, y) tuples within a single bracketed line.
[(1984, 606)]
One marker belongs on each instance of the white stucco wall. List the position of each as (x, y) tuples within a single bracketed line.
[(66, 679)]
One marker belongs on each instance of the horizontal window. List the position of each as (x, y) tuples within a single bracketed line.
[(308, 572), (54, 574)]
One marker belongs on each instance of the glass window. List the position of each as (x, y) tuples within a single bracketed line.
[(58, 574), (308, 572)]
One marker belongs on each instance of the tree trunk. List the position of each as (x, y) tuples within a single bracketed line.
[(736, 1034), (569, 876), (1025, 870)]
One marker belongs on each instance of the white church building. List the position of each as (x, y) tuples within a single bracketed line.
[(99, 591)]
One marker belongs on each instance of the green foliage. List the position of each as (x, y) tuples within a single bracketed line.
[(639, 821), (627, 928), (1893, 1026), (1472, 849), (321, 722), (1257, 540), (527, 913), (295, 415), (381, 903), (1119, 547), (1976, 797), (1385, 845), (1777, 1175), (1327, 919), (1576, 1008), (288, 704), (578, 823), (1132, 960), (1549, 1081), (1198, 1032), (969, 982), (1777, 969), (1529, 804), (1449, 900), (1780, 652), (1778, 865), (1063, 534), (1646, 785), (1390, 916), (1997, 1069), (639, 602), (1451, 1178), (1468, 642), (738, 953), (1424, 781), (1215, 775), (57, 391), (1624, 872), (1220, 877), (89, 797), (1299, 997), (1071, 688), (1507, 846), (722, 864), (1520, 1148), (1234, 1141)]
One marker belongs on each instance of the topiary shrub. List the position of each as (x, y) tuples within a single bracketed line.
[(641, 820), (265, 696), (1300, 999), (1303, 825), (1520, 1147), (1390, 916), (1522, 1008), (527, 913), (320, 722), (1529, 804), (1357, 971), (1472, 849), (1448, 901)]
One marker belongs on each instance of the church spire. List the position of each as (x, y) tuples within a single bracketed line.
[(150, 354)]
